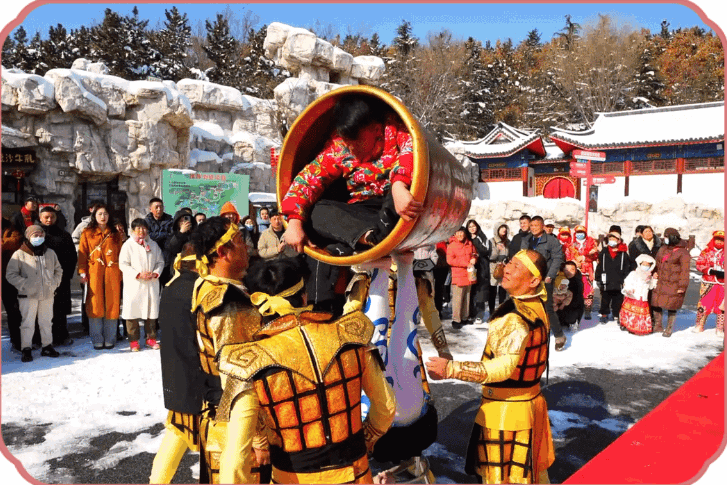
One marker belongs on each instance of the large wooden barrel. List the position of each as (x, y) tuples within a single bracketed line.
[(438, 179)]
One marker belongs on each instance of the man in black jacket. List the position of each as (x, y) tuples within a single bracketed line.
[(614, 265), (160, 223), (183, 380), (60, 241), (516, 241), (551, 249)]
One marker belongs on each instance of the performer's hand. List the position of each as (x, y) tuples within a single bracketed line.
[(295, 236), (84, 279), (404, 202), (385, 477), (679, 292), (262, 456), (548, 279), (436, 367)]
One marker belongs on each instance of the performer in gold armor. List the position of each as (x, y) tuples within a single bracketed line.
[(304, 374), (224, 315), (511, 440)]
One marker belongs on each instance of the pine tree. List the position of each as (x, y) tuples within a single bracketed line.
[(107, 43), (139, 55), (223, 51), (79, 42), (649, 84), (533, 39), (478, 116), (259, 75), (569, 33), (34, 53), (665, 34), (376, 48), (9, 49), (172, 43), (405, 42), (57, 51)]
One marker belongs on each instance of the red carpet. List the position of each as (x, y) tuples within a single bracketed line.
[(670, 444)]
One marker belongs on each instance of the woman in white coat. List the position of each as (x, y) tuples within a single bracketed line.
[(141, 262)]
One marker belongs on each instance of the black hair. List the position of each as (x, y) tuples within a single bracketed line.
[(525, 217), (571, 262), (615, 228), (537, 218), (354, 112), (94, 203), (155, 199), (472, 221), (207, 234), (200, 214), (273, 212), (507, 229), (274, 276), (186, 209), (93, 223), (48, 209), (139, 222), (639, 229)]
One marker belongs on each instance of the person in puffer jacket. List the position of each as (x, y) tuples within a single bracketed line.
[(614, 265), (711, 293), (35, 271), (461, 255)]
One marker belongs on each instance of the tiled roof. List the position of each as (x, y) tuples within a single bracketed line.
[(489, 146)]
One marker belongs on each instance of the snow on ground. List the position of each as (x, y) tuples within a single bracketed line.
[(82, 395)]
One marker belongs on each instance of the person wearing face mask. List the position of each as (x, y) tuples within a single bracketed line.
[(182, 227), (252, 228), (584, 251), (672, 271), (613, 267), (34, 270), (635, 315), (711, 293)]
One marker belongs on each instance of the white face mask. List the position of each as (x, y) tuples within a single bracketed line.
[(580, 236), (37, 241), (644, 268), (613, 243), (249, 227)]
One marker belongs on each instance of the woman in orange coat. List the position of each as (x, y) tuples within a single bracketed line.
[(98, 267)]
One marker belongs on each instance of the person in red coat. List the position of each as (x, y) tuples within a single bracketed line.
[(711, 293), (584, 251), (461, 255)]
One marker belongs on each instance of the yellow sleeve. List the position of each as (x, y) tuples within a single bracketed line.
[(237, 456), (383, 402), (507, 339)]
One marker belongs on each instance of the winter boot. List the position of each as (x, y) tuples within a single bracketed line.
[(720, 323), (49, 351), (700, 321), (669, 324), (27, 355), (657, 323), (603, 320)]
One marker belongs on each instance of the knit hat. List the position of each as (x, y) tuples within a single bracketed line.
[(229, 208), (32, 230), (615, 228), (615, 234)]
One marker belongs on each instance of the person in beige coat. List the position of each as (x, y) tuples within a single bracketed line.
[(36, 273), (271, 244)]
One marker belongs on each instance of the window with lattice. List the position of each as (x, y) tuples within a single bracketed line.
[(701, 165)]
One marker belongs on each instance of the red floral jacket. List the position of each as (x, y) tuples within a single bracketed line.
[(710, 258), (363, 180), (584, 253)]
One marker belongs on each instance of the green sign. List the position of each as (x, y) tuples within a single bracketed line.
[(204, 192)]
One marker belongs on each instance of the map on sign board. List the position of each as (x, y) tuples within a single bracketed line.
[(204, 192)]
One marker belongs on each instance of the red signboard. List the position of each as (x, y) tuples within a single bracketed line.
[(605, 179), (578, 173), (579, 165), (586, 155)]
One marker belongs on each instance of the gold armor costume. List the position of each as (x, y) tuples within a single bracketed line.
[(224, 315), (305, 374), (511, 440)]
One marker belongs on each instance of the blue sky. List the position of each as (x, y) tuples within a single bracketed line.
[(483, 21)]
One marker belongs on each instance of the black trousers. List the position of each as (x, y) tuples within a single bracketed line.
[(479, 299), (333, 220), (440, 293), (568, 316), (12, 308), (612, 299), (552, 316), (496, 292)]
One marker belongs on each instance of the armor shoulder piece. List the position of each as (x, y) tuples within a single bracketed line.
[(208, 296), (286, 350), (327, 340), (355, 327)]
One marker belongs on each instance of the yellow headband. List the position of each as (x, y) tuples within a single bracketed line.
[(178, 265), (540, 291), (522, 256), (277, 304), (202, 263)]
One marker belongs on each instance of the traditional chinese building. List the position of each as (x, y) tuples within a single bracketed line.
[(674, 149)]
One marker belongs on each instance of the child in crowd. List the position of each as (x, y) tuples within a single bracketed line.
[(371, 150), (635, 315), (562, 297)]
